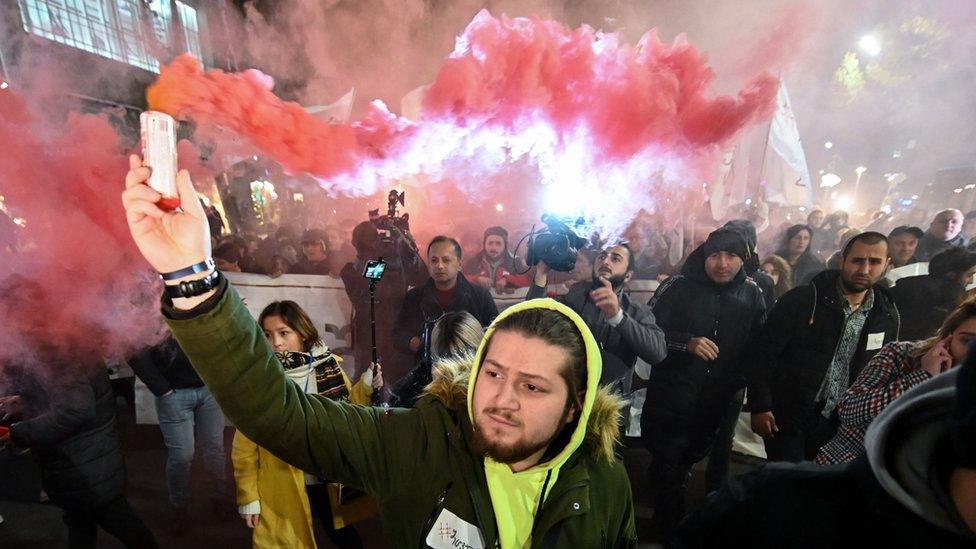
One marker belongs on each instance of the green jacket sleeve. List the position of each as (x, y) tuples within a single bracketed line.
[(338, 441)]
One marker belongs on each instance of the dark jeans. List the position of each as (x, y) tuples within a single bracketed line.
[(801, 440), (318, 497), (116, 517), (718, 457)]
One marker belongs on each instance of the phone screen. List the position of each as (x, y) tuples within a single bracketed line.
[(374, 269)]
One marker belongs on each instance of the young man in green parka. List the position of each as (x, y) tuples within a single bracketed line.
[(523, 456)]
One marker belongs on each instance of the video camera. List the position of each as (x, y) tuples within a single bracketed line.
[(557, 245), (391, 223)]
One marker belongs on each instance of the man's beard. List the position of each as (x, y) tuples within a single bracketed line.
[(616, 281), (521, 450), (854, 286)]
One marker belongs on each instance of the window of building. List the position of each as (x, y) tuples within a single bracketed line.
[(129, 31)]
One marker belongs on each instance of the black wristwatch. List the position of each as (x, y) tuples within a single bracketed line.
[(193, 288)]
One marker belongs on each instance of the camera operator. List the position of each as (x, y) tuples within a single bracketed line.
[(446, 290), (625, 328), (404, 269)]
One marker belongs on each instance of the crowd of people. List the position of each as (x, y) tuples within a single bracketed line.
[(501, 428)]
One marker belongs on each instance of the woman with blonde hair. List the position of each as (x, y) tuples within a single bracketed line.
[(781, 272), (455, 336), (276, 499), (898, 366)]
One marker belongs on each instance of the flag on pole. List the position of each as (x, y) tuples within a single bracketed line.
[(785, 166), (411, 103), (338, 112)]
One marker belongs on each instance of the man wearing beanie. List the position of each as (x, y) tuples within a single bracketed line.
[(495, 266), (708, 313), (747, 230)]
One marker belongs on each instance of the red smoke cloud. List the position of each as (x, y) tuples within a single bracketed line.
[(244, 104), (628, 98), (77, 288), (635, 126)]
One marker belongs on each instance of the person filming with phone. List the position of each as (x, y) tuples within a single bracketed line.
[(403, 269)]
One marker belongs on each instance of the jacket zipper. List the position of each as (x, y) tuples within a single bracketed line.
[(438, 507)]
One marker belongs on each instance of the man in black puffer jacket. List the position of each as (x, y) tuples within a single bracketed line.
[(67, 419), (815, 342), (708, 315), (926, 300)]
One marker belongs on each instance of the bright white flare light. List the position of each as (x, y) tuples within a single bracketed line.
[(829, 145), (499, 207), (870, 45), (844, 202), (4, 85)]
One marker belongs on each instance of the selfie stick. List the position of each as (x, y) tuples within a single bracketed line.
[(372, 328)]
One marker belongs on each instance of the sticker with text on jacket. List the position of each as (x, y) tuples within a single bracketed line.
[(452, 532), (875, 341)]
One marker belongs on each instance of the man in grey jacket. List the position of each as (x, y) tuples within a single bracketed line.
[(624, 328)]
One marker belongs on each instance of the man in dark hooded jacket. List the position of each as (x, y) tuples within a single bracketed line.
[(708, 314), (67, 419)]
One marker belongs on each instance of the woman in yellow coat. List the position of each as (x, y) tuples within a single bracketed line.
[(273, 497)]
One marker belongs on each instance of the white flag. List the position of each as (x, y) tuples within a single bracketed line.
[(720, 191), (336, 113), (411, 103), (786, 174)]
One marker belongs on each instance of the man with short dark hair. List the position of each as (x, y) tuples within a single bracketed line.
[(446, 290), (495, 266), (944, 232), (624, 327), (816, 340), (227, 257), (904, 242), (924, 301), (708, 314)]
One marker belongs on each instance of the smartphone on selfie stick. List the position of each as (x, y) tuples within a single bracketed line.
[(374, 271)]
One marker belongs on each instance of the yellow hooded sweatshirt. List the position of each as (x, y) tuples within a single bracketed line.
[(517, 497)]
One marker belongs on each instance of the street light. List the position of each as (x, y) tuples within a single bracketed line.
[(870, 45)]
